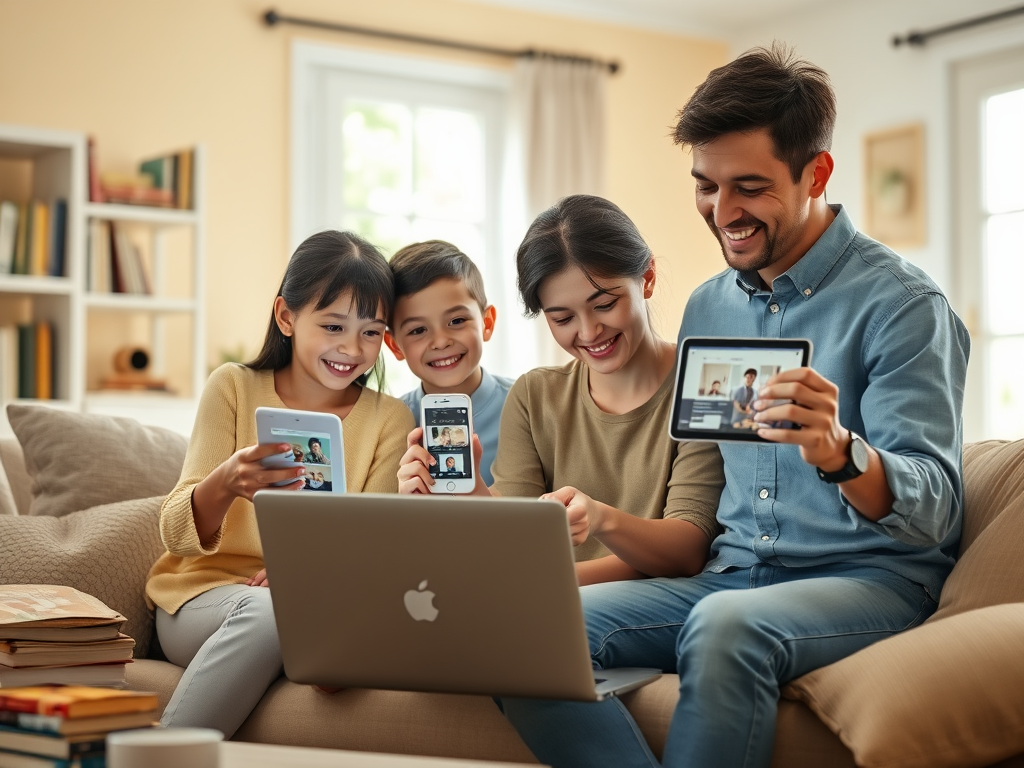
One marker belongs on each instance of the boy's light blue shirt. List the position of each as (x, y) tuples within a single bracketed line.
[(885, 335), (488, 401)]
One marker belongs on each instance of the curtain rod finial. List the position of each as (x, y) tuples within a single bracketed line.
[(271, 18)]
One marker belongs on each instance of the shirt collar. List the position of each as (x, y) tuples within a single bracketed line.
[(806, 275)]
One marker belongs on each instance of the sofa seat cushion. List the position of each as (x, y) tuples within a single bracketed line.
[(77, 461), (948, 693), (159, 677), (105, 551), (15, 486)]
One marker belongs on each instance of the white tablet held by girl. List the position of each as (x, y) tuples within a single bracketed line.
[(316, 444)]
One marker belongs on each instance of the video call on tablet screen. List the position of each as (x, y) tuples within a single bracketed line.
[(717, 382), (313, 451)]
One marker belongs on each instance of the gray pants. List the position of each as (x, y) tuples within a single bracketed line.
[(227, 640)]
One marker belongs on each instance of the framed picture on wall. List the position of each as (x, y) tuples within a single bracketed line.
[(894, 206)]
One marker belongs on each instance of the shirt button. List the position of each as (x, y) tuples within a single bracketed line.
[(765, 538), (774, 308), (764, 493), (807, 291)]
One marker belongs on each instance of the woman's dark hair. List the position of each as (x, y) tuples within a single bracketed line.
[(582, 231), (324, 266), (764, 88)]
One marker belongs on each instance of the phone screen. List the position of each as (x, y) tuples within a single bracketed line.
[(449, 440), (313, 451)]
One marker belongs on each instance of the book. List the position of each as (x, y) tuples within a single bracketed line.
[(8, 235), (27, 360), (24, 606), (55, 633), (21, 760), (173, 172), (40, 237), (51, 744), (8, 363), (58, 238), (107, 675), (21, 245), (44, 361), (65, 727), (36, 653), (183, 196), (75, 701), (99, 274)]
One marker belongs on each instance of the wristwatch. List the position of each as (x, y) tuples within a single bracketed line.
[(856, 462)]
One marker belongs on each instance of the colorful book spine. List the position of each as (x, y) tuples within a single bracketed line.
[(27, 361), (8, 235), (56, 264)]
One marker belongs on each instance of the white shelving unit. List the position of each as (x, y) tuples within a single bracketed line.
[(48, 164)]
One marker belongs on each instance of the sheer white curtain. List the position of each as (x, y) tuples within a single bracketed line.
[(556, 148)]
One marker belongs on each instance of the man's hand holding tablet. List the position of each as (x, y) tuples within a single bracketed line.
[(726, 389)]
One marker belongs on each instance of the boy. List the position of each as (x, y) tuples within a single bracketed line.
[(440, 323)]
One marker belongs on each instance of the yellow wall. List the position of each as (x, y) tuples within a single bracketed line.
[(144, 77)]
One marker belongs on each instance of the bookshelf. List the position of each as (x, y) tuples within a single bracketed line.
[(90, 325)]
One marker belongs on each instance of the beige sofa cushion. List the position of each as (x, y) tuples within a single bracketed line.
[(77, 461), (948, 693), (105, 551)]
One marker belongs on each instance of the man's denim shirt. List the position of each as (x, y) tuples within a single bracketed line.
[(884, 333)]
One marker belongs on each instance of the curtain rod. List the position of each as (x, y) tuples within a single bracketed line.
[(272, 18), (920, 38)]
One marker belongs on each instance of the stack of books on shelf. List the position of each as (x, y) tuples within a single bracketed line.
[(53, 634), (67, 726), (27, 353), (33, 238), (164, 181), (115, 263)]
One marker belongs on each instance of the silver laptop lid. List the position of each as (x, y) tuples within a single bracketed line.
[(460, 595)]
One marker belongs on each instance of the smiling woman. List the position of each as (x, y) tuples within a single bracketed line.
[(592, 434)]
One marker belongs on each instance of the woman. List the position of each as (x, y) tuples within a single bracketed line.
[(593, 433)]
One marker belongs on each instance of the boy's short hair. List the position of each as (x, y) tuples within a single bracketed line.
[(419, 265)]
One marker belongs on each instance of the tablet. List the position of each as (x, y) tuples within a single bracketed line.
[(316, 444), (717, 380)]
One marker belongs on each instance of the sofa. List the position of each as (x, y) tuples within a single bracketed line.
[(79, 505)]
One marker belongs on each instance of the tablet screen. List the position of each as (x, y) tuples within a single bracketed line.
[(717, 382), (312, 450)]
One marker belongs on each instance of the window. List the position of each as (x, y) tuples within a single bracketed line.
[(400, 150), (989, 103)]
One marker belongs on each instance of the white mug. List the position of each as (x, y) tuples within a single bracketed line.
[(164, 748)]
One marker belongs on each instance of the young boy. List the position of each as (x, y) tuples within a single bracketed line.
[(440, 323)]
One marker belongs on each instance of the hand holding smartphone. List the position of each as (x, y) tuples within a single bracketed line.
[(448, 436)]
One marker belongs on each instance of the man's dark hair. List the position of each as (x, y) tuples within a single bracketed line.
[(764, 88), (749, 371), (420, 265), (313, 440)]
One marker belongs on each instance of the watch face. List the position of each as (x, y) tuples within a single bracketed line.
[(859, 452)]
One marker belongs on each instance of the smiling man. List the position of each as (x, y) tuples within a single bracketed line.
[(836, 535)]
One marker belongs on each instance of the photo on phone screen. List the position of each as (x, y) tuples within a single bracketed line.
[(447, 436)]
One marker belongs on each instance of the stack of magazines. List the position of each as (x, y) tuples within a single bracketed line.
[(67, 726), (57, 635)]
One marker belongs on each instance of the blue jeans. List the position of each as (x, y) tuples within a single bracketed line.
[(735, 639)]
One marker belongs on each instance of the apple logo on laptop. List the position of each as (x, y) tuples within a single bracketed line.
[(420, 604)]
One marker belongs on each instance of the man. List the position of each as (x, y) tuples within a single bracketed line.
[(742, 397), (836, 535)]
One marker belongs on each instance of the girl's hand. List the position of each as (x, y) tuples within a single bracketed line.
[(413, 475), (585, 515), (260, 579), (244, 474)]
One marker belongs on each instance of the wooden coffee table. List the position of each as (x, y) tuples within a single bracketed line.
[(238, 754)]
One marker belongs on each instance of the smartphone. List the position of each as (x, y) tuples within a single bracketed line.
[(316, 444), (448, 435)]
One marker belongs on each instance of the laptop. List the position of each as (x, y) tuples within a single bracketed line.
[(430, 593)]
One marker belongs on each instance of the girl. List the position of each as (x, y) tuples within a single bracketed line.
[(212, 614), (593, 433)]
